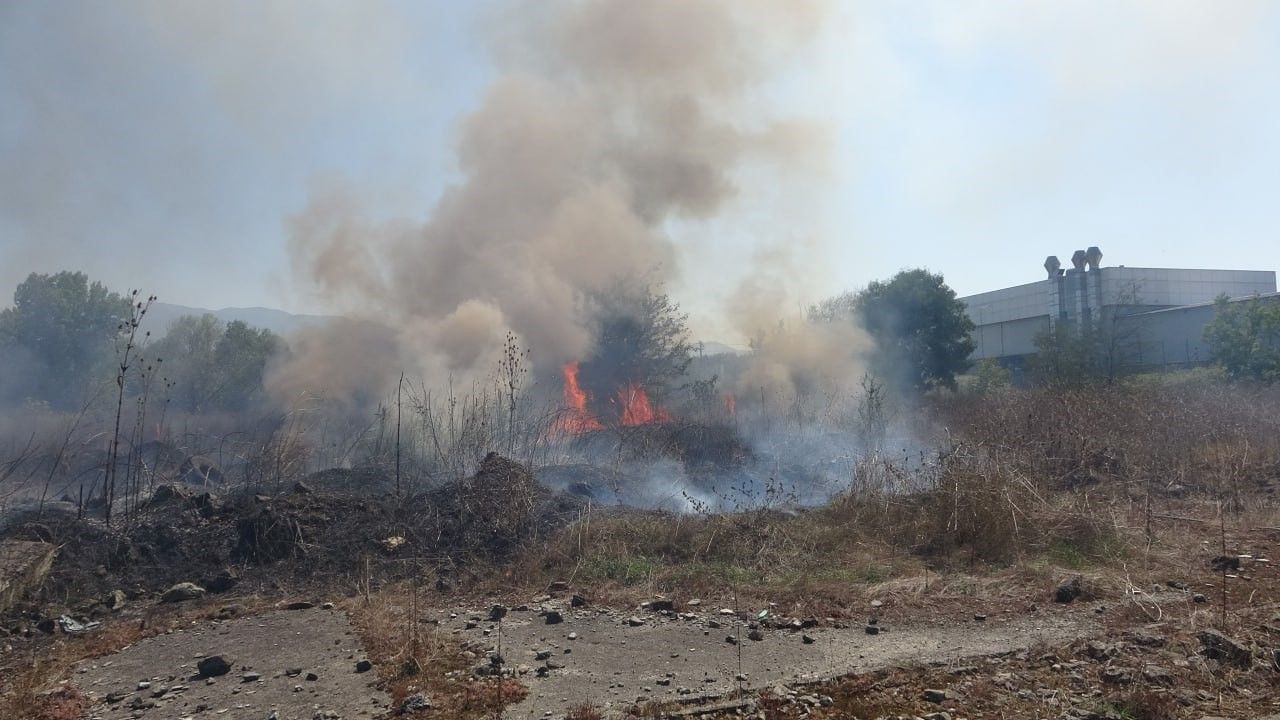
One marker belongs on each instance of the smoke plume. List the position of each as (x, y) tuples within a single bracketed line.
[(792, 355), (609, 119)]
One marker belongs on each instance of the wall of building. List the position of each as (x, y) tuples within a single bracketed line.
[(1013, 303), (1011, 338), (1169, 287), (1167, 309), (1173, 337)]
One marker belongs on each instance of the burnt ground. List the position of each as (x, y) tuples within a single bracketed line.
[(298, 664), (1150, 660)]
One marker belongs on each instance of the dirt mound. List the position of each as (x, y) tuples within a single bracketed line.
[(316, 536), (499, 508)]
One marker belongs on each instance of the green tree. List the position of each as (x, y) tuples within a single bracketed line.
[(990, 377), (60, 332), (642, 340), (1244, 338), (921, 329), (241, 355), (187, 359), (214, 366)]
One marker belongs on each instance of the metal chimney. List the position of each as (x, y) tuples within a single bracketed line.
[(1094, 257), (1078, 259), (1052, 265)]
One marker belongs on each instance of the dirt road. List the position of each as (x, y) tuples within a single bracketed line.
[(297, 664), (603, 658), (301, 665)]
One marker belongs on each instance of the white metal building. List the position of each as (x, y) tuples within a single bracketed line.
[(1169, 307)]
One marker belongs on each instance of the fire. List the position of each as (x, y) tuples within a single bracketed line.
[(636, 408), (633, 402), (575, 419)]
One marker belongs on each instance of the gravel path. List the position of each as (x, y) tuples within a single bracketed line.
[(604, 658)]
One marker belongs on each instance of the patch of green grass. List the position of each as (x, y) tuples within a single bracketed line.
[(625, 570), (1067, 554)]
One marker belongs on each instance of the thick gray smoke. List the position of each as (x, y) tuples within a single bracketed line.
[(609, 119)]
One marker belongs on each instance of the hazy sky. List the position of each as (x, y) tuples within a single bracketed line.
[(166, 144)]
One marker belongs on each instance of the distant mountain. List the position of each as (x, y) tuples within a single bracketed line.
[(161, 316)]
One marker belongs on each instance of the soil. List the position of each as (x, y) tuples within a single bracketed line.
[(283, 649)]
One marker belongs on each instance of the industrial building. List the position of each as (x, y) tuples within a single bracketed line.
[(1161, 312)]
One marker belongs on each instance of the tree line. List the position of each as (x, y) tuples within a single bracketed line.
[(61, 343)]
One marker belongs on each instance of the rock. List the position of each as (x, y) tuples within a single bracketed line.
[(807, 639), (937, 716), (301, 488), (182, 592), (1069, 589), (553, 617), (250, 677), (222, 582), (165, 493), (364, 666), (416, 702), (1099, 651), (634, 621), (1146, 639), (114, 600), (213, 666), (663, 605), (1199, 598), (497, 612), (558, 586), (934, 695), (873, 629), (755, 635), (1116, 676), (1157, 675), (731, 640), (312, 677), (299, 605), (577, 601), (1225, 563), (1224, 649), (979, 617)]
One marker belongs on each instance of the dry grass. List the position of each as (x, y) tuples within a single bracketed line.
[(1035, 484), (410, 656), (584, 711)]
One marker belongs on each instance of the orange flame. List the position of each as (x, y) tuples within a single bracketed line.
[(636, 408), (575, 419)]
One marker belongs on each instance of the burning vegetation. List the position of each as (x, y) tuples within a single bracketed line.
[(513, 406)]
